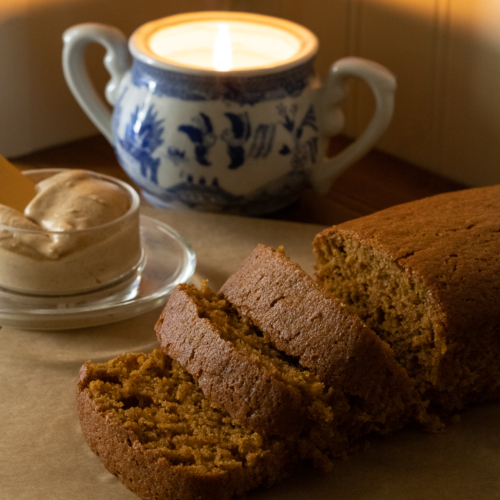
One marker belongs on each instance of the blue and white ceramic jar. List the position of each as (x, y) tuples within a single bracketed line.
[(245, 140)]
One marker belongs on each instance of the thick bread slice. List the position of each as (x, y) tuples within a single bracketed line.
[(252, 393), (151, 427), (307, 322)]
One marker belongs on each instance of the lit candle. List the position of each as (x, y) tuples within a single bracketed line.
[(226, 41)]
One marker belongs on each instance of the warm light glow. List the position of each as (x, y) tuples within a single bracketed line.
[(224, 45), (223, 52)]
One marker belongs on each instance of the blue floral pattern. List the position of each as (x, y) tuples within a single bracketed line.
[(236, 137), (142, 137), (303, 152), (144, 148), (201, 134)]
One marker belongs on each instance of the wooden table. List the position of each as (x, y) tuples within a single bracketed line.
[(375, 182)]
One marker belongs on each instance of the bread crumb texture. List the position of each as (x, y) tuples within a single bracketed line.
[(140, 411)]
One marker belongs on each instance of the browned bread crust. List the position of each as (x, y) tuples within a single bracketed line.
[(307, 322), (439, 262), (252, 394), (146, 466)]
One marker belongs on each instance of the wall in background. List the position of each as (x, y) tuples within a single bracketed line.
[(445, 54), (36, 108)]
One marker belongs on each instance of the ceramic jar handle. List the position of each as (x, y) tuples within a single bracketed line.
[(117, 61), (383, 85)]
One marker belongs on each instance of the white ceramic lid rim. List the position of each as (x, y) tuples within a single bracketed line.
[(140, 50)]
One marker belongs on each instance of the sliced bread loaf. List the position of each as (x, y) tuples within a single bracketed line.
[(426, 277)]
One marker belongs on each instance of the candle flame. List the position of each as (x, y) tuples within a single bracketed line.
[(222, 59)]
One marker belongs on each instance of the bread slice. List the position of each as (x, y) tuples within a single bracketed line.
[(200, 332), (426, 277), (151, 426), (308, 323)]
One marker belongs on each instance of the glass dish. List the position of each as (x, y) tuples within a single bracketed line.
[(62, 255), (168, 260)]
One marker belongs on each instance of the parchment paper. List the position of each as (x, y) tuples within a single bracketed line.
[(44, 456)]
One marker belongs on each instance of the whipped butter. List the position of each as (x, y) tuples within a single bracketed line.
[(79, 233)]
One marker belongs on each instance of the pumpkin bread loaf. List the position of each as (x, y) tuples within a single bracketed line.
[(152, 427), (426, 277), (324, 336), (277, 368)]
